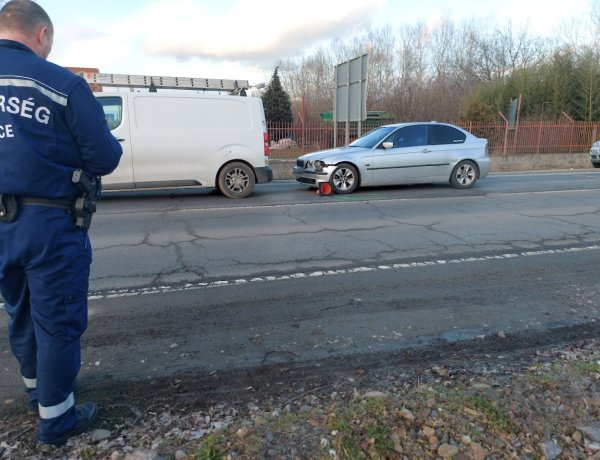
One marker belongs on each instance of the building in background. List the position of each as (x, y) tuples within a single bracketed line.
[(80, 70)]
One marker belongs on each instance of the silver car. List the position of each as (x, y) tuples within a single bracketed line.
[(406, 153), (595, 154)]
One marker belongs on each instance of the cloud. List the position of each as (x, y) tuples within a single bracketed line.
[(250, 30), (81, 46)]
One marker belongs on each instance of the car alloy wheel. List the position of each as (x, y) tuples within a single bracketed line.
[(465, 175), (236, 180), (344, 179)]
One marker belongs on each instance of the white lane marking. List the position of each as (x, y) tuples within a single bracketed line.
[(320, 273), (543, 192)]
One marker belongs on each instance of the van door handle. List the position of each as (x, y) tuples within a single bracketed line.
[(120, 139)]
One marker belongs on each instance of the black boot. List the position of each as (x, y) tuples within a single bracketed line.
[(87, 413)]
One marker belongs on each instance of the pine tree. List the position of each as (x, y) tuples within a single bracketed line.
[(278, 107)]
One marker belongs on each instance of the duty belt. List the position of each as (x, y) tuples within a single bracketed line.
[(52, 202), (9, 205)]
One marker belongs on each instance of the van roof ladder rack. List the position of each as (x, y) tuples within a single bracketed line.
[(152, 81)]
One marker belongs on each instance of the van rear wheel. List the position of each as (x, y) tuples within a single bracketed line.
[(236, 180)]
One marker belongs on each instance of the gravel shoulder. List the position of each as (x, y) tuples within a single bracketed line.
[(500, 399)]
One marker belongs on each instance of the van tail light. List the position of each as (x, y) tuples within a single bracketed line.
[(266, 138)]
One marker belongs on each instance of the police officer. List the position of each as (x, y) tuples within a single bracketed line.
[(50, 125)]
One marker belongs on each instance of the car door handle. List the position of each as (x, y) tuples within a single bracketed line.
[(426, 150), (120, 139)]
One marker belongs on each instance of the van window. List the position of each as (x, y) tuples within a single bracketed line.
[(113, 110), (183, 114)]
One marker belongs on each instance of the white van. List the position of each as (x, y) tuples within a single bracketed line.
[(179, 139)]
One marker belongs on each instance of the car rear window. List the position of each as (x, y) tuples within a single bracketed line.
[(442, 134)]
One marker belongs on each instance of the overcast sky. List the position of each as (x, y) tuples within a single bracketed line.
[(245, 39)]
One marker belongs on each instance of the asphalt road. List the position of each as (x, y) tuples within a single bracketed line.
[(193, 283), (153, 239)]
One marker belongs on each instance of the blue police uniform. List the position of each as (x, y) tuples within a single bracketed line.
[(50, 125)]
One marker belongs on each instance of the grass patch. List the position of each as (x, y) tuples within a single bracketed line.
[(454, 404), (375, 408), (583, 368), (368, 440), (252, 445), (379, 438), (287, 419), (210, 449), (363, 430), (347, 445), (495, 414), (88, 454), (548, 376)]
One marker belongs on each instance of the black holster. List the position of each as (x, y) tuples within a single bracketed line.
[(8, 208), (85, 204)]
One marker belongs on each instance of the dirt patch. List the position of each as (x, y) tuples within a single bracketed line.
[(528, 396)]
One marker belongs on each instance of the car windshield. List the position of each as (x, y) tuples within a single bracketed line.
[(372, 138)]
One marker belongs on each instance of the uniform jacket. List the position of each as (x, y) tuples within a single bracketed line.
[(50, 125)]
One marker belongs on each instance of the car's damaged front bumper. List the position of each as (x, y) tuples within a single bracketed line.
[(312, 172)]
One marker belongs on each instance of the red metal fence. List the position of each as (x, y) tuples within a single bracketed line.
[(288, 140)]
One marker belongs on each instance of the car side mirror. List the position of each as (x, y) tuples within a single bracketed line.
[(388, 145)]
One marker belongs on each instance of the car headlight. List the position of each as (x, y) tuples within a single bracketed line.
[(317, 165)]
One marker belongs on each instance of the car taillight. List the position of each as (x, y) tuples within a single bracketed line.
[(266, 138)]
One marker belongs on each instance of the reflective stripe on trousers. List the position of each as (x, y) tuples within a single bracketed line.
[(59, 409), (30, 384)]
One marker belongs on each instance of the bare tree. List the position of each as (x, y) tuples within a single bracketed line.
[(309, 82), (595, 20), (383, 69), (420, 72)]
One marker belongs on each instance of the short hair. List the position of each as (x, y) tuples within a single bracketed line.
[(24, 16)]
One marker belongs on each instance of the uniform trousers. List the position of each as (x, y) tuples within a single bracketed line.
[(44, 274)]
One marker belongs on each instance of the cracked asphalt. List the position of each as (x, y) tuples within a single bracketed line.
[(148, 240), (193, 283)]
